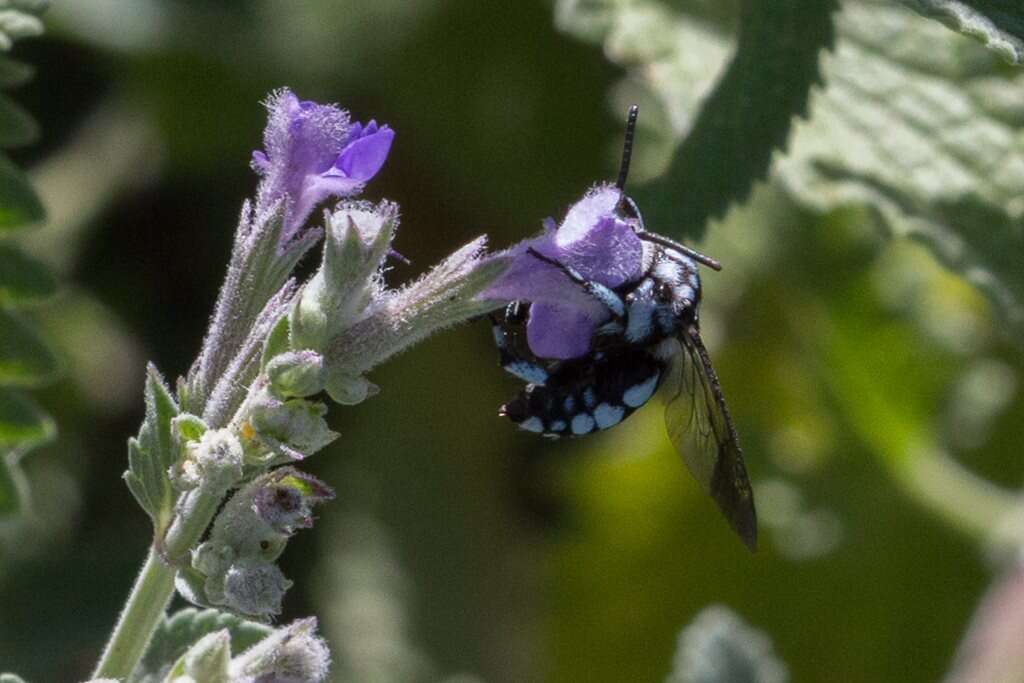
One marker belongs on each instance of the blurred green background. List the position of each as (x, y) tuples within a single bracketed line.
[(861, 373)]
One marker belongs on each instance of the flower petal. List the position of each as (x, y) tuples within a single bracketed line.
[(531, 279), (363, 157), (594, 241), (558, 332), (610, 252), (312, 153), (584, 214)]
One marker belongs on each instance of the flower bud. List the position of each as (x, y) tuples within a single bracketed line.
[(297, 373), (358, 239), (286, 500), (294, 654), (255, 588), (207, 661), (212, 463), (293, 429), (349, 390), (234, 569)]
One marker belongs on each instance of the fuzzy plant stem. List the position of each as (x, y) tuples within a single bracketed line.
[(154, 588)]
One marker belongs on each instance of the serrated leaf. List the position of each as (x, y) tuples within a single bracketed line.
[(746, 117), (14, 73), (999, 24), (25, 357), (17, 127), (151, 455), (176, 633), (23, 279), (927, 128), (22, 422), (19, 204)]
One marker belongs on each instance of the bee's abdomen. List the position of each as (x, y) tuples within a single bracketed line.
[(583, 397)]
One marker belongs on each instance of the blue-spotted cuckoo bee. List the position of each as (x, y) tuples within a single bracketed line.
[(649, 337)]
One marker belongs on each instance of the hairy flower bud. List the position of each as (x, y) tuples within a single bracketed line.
[(235, 568), (349, 390), (277, 430), (255, 588), (294, 654), (207, 661), (210, 460), (358, 239), (286, 497), (297, 373)]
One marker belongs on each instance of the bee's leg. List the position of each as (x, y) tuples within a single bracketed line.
[(524, 366), (612, 301)]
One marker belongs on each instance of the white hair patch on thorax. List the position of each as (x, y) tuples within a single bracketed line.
[(667, 270)]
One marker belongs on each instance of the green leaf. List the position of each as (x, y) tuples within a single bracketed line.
[(22, 422), (999, 24), (23, 279), (17, 127), (25, 357), (746, 117), (19, 204), (14, 73), (278, 341), (926, 128), (152, 453), (176, 633)]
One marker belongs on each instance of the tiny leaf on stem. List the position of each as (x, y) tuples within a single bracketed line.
[(151, 455)]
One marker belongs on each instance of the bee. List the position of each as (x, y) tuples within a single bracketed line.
[(650, 339)]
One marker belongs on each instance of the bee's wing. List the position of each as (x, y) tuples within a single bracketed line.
[(702, 431)]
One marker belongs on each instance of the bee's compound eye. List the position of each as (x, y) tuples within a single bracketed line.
[(663, 293)]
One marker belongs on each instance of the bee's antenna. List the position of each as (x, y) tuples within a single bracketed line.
[(627, 147)]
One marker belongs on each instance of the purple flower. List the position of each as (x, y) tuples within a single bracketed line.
[(311, 153), (286, 497), (593, 240)]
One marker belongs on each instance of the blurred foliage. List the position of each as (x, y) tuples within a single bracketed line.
[(864, 329), (746, 116), (719, 648), (26, 360)]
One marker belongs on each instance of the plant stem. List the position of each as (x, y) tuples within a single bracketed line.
[(154, 588), (977, 507), (146, 604)]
